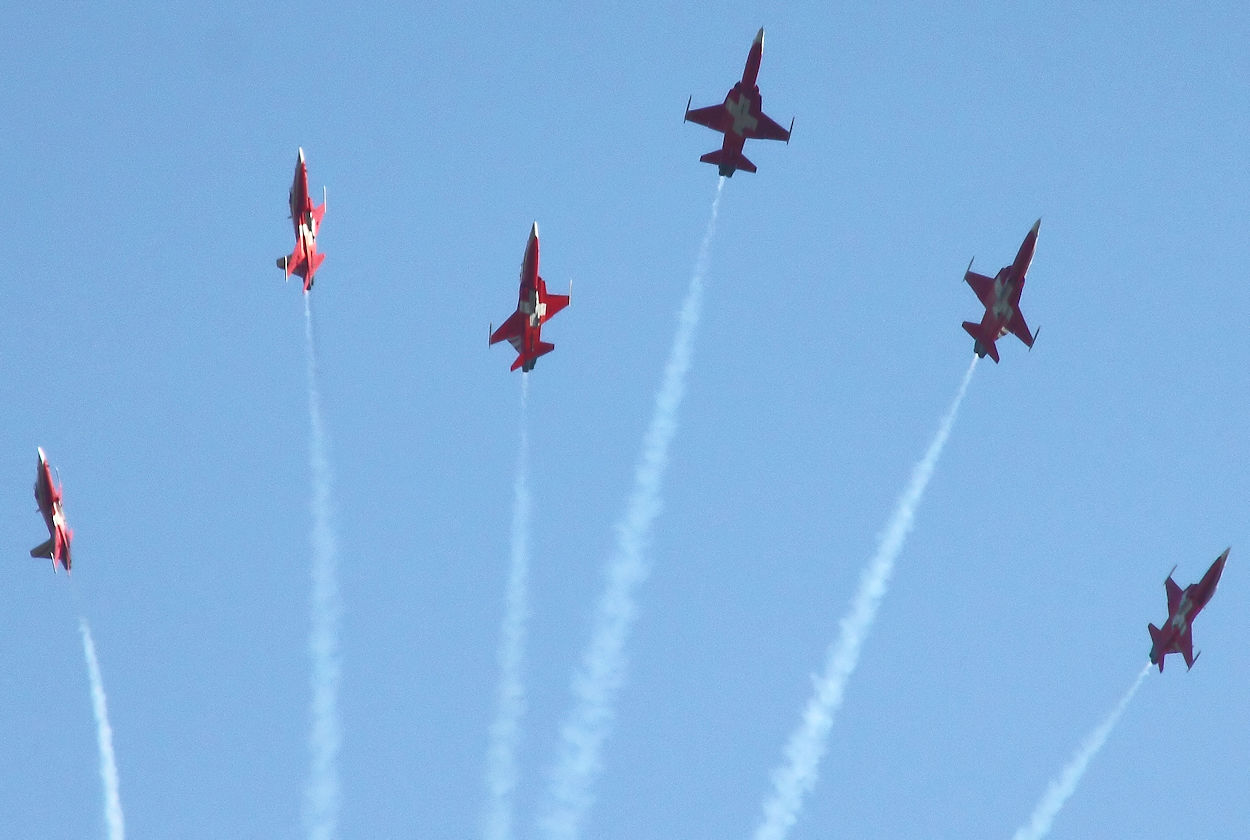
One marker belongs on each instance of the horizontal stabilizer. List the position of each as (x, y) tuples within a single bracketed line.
[(728, 164), (44, 549), (525, 361), (984, 347), (1156, 653)]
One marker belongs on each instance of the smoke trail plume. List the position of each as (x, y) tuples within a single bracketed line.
[(321, 793), (104, 738), (794, 779), (501, 761), (598, 680), (1062, 787)]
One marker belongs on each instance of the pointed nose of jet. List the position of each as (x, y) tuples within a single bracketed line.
[(1036, 226), (43, 459), (1222, 559), (301, 154), (759, 37), (534, 231)]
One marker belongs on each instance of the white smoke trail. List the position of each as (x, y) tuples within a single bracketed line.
[(104, 738), (598, 680), (1061, 788), (501, 761), (321, 793), (797, 775)]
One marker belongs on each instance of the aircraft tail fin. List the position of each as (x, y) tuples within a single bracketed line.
[(728, 164), (984, 347)]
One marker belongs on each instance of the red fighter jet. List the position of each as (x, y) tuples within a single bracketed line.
[(740, 118), (304, 260), (523, 329), (1001, 298), (1183, 607), (48, 497)]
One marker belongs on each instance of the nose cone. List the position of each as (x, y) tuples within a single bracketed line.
[(759, 37), (301, 154), (1218, 565), (1036, 226), (534, 231), (43, 459)]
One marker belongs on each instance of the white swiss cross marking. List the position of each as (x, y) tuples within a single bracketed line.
[(741, 113), (1181, 619), (1002, 300)]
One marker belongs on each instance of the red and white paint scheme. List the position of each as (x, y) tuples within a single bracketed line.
[(304, 260), (523, 329), (1000, 295), (1183, 607), (48, 497), (739, 118)]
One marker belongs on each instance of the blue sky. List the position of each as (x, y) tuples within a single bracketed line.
[(151, 348)]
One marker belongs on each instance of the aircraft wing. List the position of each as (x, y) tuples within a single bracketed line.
[(1020, 329), (714, 117), (554, 303), (982, 285), (1185, 644), (512, 330), (1174, 596), (766, 129)]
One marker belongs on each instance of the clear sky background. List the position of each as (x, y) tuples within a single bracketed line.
[(150, 346)]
